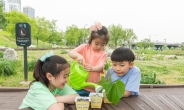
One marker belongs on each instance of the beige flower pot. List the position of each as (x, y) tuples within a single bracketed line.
[(96, 100), (105, 98), (82, 103)]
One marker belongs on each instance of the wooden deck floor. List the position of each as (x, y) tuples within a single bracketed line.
[(149, 99)]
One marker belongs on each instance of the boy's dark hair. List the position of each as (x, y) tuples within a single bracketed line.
[(122, 54), (102, 33), (53, 65)]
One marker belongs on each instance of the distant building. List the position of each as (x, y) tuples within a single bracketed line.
[(10, 5), (29, 11)]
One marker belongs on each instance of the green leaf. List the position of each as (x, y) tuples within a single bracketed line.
[(114, 91)]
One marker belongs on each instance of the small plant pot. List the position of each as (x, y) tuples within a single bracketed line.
[(96, 100), (82, 103), (105, 98)]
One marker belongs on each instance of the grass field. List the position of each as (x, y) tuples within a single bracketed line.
[(170, 71)]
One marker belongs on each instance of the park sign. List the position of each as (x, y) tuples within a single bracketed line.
[(23, 34)]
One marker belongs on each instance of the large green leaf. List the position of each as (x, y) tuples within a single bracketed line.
[(114, 90)]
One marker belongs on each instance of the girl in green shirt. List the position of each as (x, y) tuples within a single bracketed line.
[(49, 90)]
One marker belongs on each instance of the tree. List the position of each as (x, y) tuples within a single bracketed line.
[(53, 34), (2, 17), (42, 29), (116, 33), (14, 17), (130, 36), (145, 43), (73, 35)]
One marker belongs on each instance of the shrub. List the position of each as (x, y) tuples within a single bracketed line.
[(1, 54), (31, 64), (7, 67), (64, 52), (182, 48), (150, 79)]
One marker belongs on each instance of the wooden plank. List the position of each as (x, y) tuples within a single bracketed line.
[(121, 106), (66, 107), (106, 106), (72, 107), (136, 103), (169, 103), (177, 99), (153, 102)]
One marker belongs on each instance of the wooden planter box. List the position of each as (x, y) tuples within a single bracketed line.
[(82, 103), (96, 100)]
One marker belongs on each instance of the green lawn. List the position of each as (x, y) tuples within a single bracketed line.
[(170, 71)]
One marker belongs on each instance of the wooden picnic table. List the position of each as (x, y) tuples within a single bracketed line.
[(149, 99)]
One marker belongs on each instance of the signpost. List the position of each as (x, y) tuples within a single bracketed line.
[(23, 38)]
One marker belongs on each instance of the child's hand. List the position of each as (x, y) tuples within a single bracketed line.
[(80, 59), (87, 67)]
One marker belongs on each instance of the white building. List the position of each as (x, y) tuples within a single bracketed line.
[(10, 5), (29, 11)]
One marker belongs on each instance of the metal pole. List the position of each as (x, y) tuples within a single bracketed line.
[(25, 64)]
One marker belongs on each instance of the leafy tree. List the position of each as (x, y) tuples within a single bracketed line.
[(145, 43), (72, 35), (14, 17), (42, 29), (2, 17), (116, 33), (130, 35), (53, 34), (84, 34)]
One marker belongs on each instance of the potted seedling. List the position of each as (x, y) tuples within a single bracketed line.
[(114, 90), (82, 103), (96, 100)]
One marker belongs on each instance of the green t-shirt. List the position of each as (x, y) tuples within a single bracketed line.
[(39, 96)]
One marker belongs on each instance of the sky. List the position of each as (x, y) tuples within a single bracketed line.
[(159, 20)]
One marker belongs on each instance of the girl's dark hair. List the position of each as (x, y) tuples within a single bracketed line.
[(102, 33), (53, 65), (122, 54)]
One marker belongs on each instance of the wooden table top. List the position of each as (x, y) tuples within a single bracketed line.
[(149, 99)]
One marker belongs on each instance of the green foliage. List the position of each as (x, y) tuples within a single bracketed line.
[(145, 43), (160, 57), (7, 67), (2, 17), (73, 35), (150, 78), (146, 51), (31, 64), (64, 52), (1, 54), (5, 34), (182, 48), (116, 32), (131, 36), (114, 90), (172, 48), (107, 65)]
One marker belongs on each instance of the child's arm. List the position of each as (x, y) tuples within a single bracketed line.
[(69, 99), (56, 106), (73, 54), (88, 67), (99, 67)]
